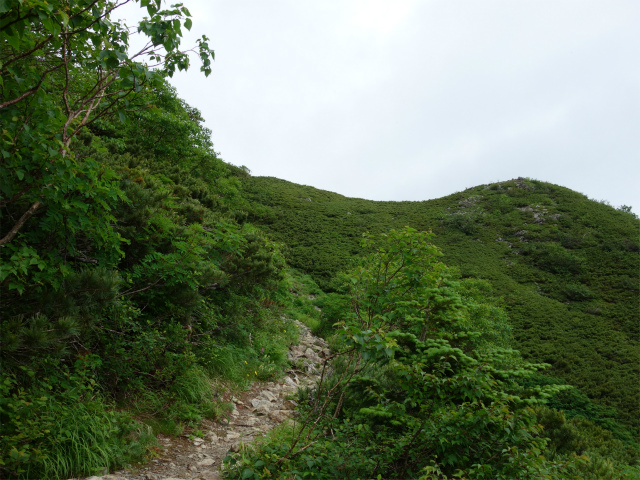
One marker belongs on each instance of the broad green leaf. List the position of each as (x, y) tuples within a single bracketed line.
[(5, 5), (13, 40), (247, 473)]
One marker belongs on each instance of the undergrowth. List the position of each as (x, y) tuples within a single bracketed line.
[(59, 425)]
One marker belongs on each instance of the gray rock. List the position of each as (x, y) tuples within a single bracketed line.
[(269, 396), (298, 350), (311, 355), (311, 370), (246, 421), (209, 476), (206, 462), (261, 406)]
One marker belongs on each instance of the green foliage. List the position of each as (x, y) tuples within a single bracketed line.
[(399, 406), (554, 258), (607, 457), (62, 66)]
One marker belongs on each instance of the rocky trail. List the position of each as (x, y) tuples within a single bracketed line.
[(255, 412)]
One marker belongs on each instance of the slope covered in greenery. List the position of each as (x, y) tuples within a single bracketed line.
[(566, 267)]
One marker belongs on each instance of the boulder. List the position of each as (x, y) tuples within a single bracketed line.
[(312, 355), (263, 409)]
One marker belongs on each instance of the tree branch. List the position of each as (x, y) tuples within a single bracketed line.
[(29, 92), (27, 53), (16, 228)]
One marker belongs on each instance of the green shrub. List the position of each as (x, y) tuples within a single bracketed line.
[(554, 258), (57, 425), (414, 383)]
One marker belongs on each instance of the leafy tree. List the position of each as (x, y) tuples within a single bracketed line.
[(64, 64), (402, 283)]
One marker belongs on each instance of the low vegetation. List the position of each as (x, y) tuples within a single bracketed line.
[(423, 384)]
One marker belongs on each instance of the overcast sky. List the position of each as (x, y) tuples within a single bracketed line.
[(413, 100)]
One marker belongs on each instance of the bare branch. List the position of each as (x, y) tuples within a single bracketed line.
[(16, 228), (65, 60)]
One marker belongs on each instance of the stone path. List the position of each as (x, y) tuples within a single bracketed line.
[(255, 412)]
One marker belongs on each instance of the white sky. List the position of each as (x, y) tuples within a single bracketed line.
[(418, 99)]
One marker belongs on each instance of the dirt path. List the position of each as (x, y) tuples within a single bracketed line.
[(255, 412)]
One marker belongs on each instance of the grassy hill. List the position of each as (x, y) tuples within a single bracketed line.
[(566, 267)]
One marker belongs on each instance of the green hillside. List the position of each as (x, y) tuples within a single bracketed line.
[(566, 266)]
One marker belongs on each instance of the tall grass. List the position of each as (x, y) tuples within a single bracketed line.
[(58, 437)]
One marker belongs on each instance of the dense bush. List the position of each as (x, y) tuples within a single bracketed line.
[(415, 390)]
